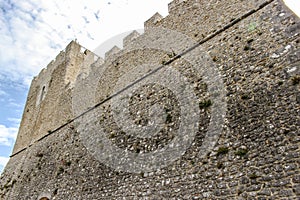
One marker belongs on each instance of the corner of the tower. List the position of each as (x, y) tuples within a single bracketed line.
[(49, 99)]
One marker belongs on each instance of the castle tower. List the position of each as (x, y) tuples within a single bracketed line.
[(49, 101), (230, 67)]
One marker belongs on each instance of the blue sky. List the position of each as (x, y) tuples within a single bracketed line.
[(33, 32)]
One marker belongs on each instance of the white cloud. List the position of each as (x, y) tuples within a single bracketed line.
[(3, 161), (14, 120), (2, 93), (12, 103), (8, 135), (33, 32), (16, 105), (294, 5)]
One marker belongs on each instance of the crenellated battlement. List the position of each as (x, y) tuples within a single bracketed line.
[(112, 52), (130, 38), (152, 21)]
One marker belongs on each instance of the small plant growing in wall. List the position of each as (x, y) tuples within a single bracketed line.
[(222, 151), (164, 62), (112, 135), (295, 80), (172, 54), (205, 104), (241, 152)]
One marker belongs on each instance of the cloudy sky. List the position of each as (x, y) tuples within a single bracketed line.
[(33, 32)]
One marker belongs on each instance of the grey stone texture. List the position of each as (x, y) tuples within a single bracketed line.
[(253, 44), (130, 38)]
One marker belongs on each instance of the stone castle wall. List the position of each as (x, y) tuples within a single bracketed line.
[(253, 44)]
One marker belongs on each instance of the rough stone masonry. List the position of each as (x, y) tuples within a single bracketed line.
[(237, 62)]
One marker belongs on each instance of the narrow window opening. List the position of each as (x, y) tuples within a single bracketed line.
[(42, 94)]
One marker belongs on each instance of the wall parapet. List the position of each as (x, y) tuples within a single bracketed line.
[(111, 52), (152, 21), (130, 38)]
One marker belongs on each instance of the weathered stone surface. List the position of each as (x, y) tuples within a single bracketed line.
[(256, 156), (129, 38)]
